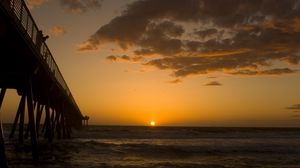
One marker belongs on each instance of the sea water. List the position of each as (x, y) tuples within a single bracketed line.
[(164, 147)]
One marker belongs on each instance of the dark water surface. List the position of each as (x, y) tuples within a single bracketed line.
[(165, 147)]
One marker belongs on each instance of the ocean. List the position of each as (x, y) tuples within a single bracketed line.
[(163, 147)]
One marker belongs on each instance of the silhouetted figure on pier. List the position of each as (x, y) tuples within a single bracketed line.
[(40, 39)]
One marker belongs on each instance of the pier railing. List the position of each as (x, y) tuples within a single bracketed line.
[(22, 13)]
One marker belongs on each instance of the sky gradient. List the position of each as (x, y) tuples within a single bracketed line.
[(176, 62)]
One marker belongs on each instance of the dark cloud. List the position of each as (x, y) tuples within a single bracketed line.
[(175, 81), (119, 58), (276, 71), (125, 57), (294, 107), (130, 28), (238, 37), (73, 6), (111, 58), (206, 33), (80, 6), (184, 66), (213, 83)]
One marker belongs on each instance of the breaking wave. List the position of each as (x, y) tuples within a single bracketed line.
[(144, 147)]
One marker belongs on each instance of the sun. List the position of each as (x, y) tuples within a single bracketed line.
[(152, 123)]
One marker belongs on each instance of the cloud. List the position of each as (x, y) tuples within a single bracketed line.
[(57, 31), (205, 36), (35, 3), (294, 107), (213, 83), (111, 58), (175, 81), (72, 6), (206, 33), (80, 6), (276, 71), (125, 57), (119, 58)]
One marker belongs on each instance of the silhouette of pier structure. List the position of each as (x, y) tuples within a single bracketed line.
[(85, 121), (27, 65)]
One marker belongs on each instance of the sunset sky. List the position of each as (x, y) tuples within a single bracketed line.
[(176, 62)]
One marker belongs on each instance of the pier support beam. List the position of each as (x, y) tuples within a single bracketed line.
[(19, 116), (38, 117), (47, 124), (28, 125), (63, 121), (32, 121), (56, 123), (3, 162), (85, 121), (11, 135), (22, 117)]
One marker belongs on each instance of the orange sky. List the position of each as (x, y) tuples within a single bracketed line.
[(231, 64)]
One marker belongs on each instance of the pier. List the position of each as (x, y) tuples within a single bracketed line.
[(27, 65)]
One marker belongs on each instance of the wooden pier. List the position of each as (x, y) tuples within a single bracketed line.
[(27, 65)]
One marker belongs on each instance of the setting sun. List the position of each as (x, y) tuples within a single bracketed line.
[(152, 123)]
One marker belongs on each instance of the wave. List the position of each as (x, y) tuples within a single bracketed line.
[(189, 148), (143, 147), (117, 132)]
